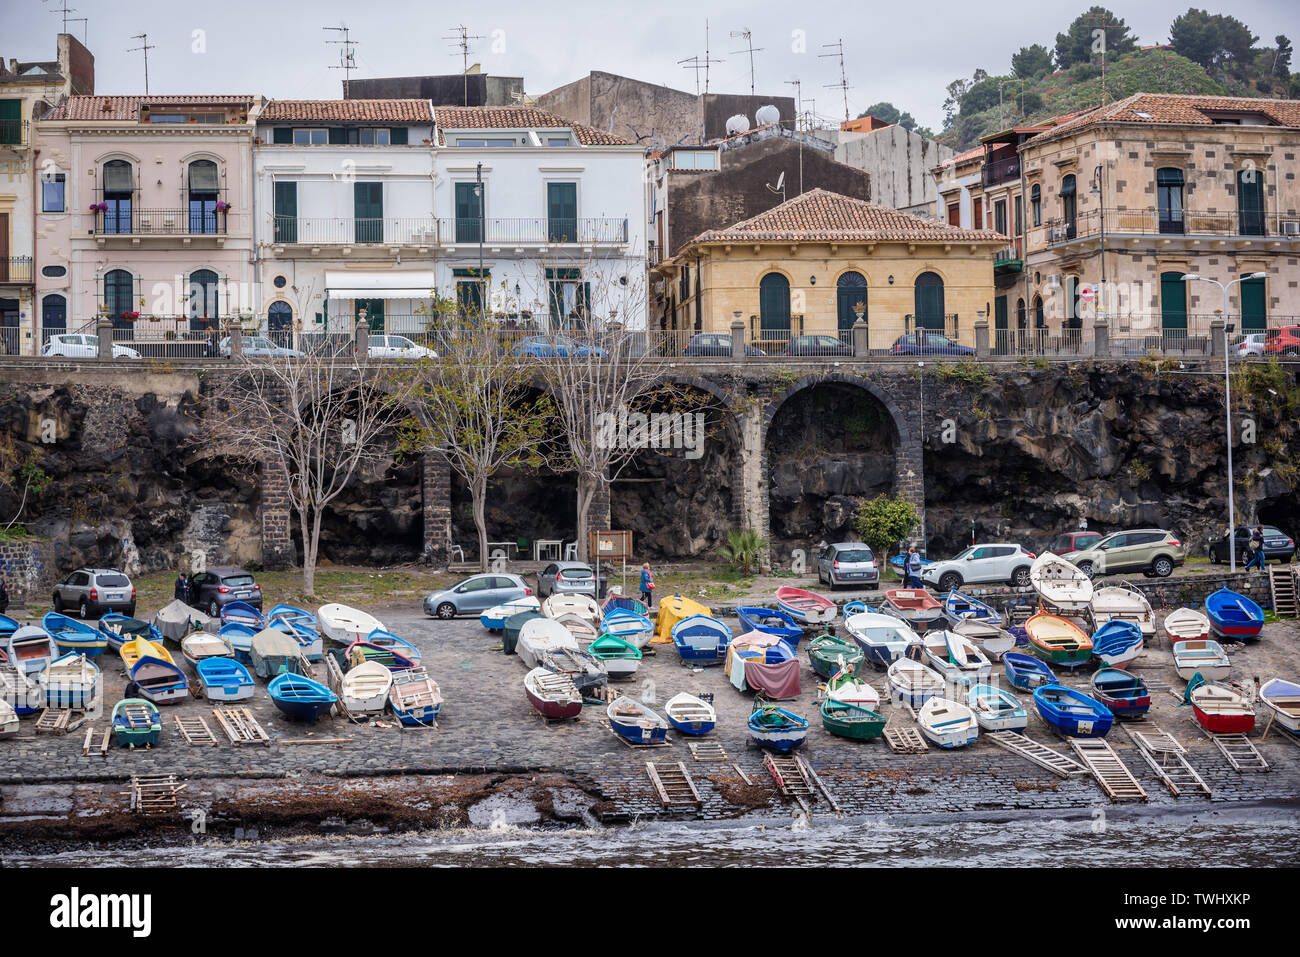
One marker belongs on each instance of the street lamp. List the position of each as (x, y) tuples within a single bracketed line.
[(1099, 190), (1227, 400), (482, 228)]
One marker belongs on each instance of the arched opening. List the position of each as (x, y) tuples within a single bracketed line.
[(774, 306), (850, 289), (1169, 197), (119, 297), (204, 302), (54, 317), (203, 197), (118, 187), (1036, 204), (928, 302), (279, 323)]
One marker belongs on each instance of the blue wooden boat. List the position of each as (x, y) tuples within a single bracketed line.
[(856, 608), (242, 613), (776, 728), (387, 655), (301, 625), (701, 639), (632, 720), (623, 603), (690, 714), (224, 679), (1233, 615), (8, 626), (897, 563), (635, 629), (154, 672), (69, 681), (386, 639), (118, 629), (1117, 642), (415, 698), (1125, 694), (1072, 712), (1026, 672), (294, 615), (241, 640), (300, 698), (958, 606), (75, 636), (136, 723), (770, 621)]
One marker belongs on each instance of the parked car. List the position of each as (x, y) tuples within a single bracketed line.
[(1284, 341), (929, 344), (259, 347), (711, 344), (1250, 345), (1152, 551), (1277, 545), (95, 592), (83, 347), (474, 595), (1068, 542), (996, 562), (848, 563), (566, 578), (210, 590), (562, 346), (397, 347), (817, 346)]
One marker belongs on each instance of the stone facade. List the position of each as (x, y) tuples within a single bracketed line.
[(27, 567)]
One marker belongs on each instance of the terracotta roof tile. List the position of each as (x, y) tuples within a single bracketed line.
[(348, 111), (128, 107), (520, 117), (1169, 109)]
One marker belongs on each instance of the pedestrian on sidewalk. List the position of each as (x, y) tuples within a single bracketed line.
[(182, 590), (647, 585), (912, 568), (1256, 548)]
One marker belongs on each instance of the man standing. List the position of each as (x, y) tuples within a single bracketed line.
[(1256, 548)]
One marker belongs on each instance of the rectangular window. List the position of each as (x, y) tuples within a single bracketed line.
[(468, 142), (470, 289), (1020, 223), (11, 125), (1000, 217), (52, 193), (557, 141), (286, 212), (309, 137), (374, 137), (569, 296), (469, 212)]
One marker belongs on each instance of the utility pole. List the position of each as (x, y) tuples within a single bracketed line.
[(844, 82), (751, 50), (347, 58), (145, 48), (462, 37), (1102, 23)]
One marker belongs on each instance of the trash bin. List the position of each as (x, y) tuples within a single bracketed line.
[(602, 584)]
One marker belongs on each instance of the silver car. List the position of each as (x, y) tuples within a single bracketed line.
[(475, 594), (848, 563), (566, 578), (255, 346), (94, 592), (83, 347)]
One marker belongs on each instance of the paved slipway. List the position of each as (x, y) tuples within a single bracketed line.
[(491, 761)]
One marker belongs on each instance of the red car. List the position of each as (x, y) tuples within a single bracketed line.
[(1284, 341)]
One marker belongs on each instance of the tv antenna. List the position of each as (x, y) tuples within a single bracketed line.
[(144, 47), (798, 98), (1102, 21), (347, 55), (748, 37), (462, 37), (65, 10), (843, 85), (698, 63)]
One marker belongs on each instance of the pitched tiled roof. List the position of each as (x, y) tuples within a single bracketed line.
[(347, 111), (822, 216), (1170, 109), (520, 117), (128, 107)]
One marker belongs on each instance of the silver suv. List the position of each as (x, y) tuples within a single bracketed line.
[(95, 592)]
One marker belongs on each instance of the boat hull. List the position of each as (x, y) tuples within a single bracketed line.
[(639, 733), (855, 724), (307, 711), (1218, 723), (1026, 673), (1094, 721), (555, 710)]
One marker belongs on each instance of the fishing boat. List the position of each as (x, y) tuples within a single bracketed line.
[(617, 601), (828, 654), (882, 638), (18, 689), (293, 615), (154, 672), (770, 621), (7, 627), (30, 649), (1117, 642), (955, 658), (117, 629), (1058, 641), (415, 698), (274, 652), (581, 628), (701, 640), (959, 607), (539, 635), (632, 720), (514, 624), (671, 611), (136, 723), (1123, 602), (8, 719), (240, 639), (1218, 710), (763, 663), (74, 636), (299, 698), (583, 606), (915, 607), (913, 682), (806, 607), (1186, 624), (635, 629), (494, 619), (68, 681), (776, 728), (850, 721), (343, 625), (1124, 693), (846, 687), (1072, 712), (585, 670), (990, 638), (690, 715), (552, 695), (1026, 672), (1282, 697), (175, 620), (1205, 655), (620, 658), (1233, 615), (386, 655), (1060, 583), (365, 688), (310, 644), (855, 608), (242, 613), (386, 639), (996, 709), (224, 679), (948, 723)]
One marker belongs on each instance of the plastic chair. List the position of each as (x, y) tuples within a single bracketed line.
[(454, 550), (571, 552)]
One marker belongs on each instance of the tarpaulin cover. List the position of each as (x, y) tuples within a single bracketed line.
[(777, 681), (671, 611), (176, 619)]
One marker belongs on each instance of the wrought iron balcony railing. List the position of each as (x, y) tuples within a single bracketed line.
[(331, 231), (159, 222)]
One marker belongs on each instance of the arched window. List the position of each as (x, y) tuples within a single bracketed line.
[(118, 186), (1040, 321), (204, 305), (1250, 202), (1173, 303), (1169, 197), (279, 323), (774, 305), (1036, 202), (202, 197), (850, 289), (119, 296), (1021, 319), (54, 315), (1068, 207), (928, 296)]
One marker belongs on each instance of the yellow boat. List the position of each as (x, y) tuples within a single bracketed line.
[(137, 648), (671, 611), (1058, 641)]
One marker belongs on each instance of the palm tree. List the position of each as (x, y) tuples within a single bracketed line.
[(744, 549)]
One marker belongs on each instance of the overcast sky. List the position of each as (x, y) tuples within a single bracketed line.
[(904, 52)]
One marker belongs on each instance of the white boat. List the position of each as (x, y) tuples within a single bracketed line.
[(494, 619), (690, 715), (1186, 624), (882, 638), (344, 625), (539, 635), (1126, 602), (997, 709), (19, 690), (849, 689), (1283, 699), (1060, 584), (579, 627), (365, 688), (990, 638), (8, 719), (30, 649), (955, 658), (913, 682), (1204, 655), (949, 724), (69, 681), (414, 697), (554, 696), (584, 606), (199, 645)]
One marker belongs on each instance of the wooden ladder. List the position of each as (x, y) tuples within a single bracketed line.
[(809, 774), (1240, 752), (674, 785), (1111, 773), (240, 726), (790, 781), (1039, 754), (1168, 759), (1282, 581), (154, 793), (904, 740), (333, 675), (707, 751), (60, 720), (195, 730)]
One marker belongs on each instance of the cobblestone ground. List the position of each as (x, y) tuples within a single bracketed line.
[(487, 726)]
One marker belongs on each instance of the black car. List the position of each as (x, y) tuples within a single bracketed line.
[(1277, 545), (715, 344), (210, 590), (929, 344), (817, 346)]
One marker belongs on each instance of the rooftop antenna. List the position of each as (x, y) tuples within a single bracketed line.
[(751, 50), (462, 37), (65, 10), (844, 83), (347, 56), (144, 47), (1102, 22), (798, 98)]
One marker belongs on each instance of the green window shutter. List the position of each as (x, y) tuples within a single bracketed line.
[(338, 135), (928, 302), (469, 214), (397, 136), (1250, 202), (1254, 309), (562, 212), (774, 304), (11, 126), (282, 134), (1173, 302), (368, 206), (286, 212)]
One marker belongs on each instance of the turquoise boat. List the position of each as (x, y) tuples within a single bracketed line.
[(621, 658), (136, 723)]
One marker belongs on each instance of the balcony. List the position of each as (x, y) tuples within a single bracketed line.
[(1000, 170), (134, 224), (1008, 260), (1170, 226), (13, 134), (448, 233), (16, 270)]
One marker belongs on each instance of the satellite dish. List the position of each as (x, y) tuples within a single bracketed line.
[(780, 181), (737, 124), (767, 115)]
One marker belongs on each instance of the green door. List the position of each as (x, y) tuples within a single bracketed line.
[(374, 313), (850, 289), (929, 302), (1254, 311), (562, 212), (1173, 303), (469, 214), (368, 205), (774, 305), (1250, 202), (11, 126), (286, 212)]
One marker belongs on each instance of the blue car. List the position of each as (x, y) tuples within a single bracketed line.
[(929, 344), (562, 346)]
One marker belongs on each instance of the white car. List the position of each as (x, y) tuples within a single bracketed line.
[(1251, 345), (83, 347), (397, 347), (997, 562)]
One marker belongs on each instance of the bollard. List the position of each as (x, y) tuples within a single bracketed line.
[(737, 339), (982, 338), (860, 350), (236, 341), (362, 342), (1101, 338), (104, 331)]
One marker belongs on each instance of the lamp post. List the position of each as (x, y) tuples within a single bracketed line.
[(1227, 401), (1099, 190), (482, 228)]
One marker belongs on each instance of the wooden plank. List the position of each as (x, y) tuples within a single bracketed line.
[(1108, 769), (85, 745), (293, 741), (1039, 754), (707, 751), (103, 744), (818, 783), (1166, 756)]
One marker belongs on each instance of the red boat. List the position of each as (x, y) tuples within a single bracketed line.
[(807, 607), (1217, 709), (914, 606), (552, 695)]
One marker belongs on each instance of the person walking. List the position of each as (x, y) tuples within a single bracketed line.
[(647, 585), (1256, 548), (912, 568), (4, 596)]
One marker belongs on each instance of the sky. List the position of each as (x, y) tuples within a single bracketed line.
[(902, 52)]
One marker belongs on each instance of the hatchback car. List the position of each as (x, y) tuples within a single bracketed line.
[(210, 590), (1283, 342), (259, 347), (95, 592), (1277, 545), (397, 347), (566, 578), (997, 562), (1068, 542), (710, 344), (817, 346), (539, 347), (929, 344), (848, 563), (1152, 551), (83, 347), (1250, 345), (474, 595)]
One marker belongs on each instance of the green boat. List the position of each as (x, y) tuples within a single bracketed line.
[(620, 658), (826, 651), (136, 723), (511, 631), (849, 721)]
